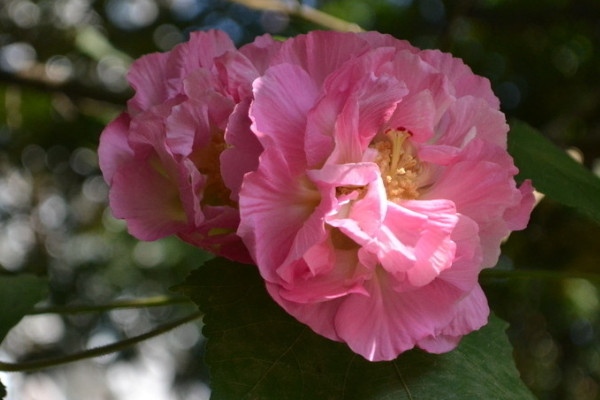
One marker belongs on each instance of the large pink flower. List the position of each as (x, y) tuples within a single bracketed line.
[(383, 190), (163, 157)]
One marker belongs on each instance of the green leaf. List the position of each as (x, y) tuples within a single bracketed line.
[(552, 171), (18, 295), (257, 351)]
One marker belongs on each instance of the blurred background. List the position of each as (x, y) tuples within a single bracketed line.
[(62, 66)]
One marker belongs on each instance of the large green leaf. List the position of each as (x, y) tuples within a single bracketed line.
[(552, 171), (18, 295), (257, 351)]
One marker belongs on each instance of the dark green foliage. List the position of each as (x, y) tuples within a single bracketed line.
[(18, 295), (257, 351), (552, 171)]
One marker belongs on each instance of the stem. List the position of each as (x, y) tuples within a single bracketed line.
[(156, 301), (490, 274), (72, 89), (326, 20), (98, 351), (303, 11)]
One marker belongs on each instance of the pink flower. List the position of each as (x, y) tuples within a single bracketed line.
[(383, 190), (163, 157)]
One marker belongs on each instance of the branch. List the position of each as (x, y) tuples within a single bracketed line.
[(69, 88), (98, 351), (490, 274), (156, 301), (293, 7)]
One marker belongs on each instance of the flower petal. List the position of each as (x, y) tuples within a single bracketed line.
[(241, 154), (385, 323), (282, 97), (274, 205), (471, 313), (148, 200), (114, 148), (465, 82)]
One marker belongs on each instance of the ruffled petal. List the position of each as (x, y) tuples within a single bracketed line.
[(262, 51), (274, 205), (114, 148), (197, 53), (147, 76), (471, 313), (464, 81), (282, 97), (386, 323), (148, 200), (517, 217), (416, 244), (470, 118), (319, 53), (241, 154)]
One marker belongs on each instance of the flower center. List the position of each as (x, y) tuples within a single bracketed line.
[(399, 166), (207, 161)]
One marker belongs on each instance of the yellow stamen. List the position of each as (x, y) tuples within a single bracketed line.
[(398, 165)]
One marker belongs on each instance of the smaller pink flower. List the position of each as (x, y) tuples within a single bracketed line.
[(383, 190), (163, 157)]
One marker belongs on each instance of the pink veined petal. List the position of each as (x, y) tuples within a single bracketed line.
[(282, 97), (364, 106), (415, 114), (491, 235), (191, 184), (419, 76), (220, 105), (480, 189), (197, 53), (148, 200), (385, 323), (438, 154), (517, 217), (468, 259), (237, 73), (321, 52), (147, 139), (471, 117), (355, 105), (324, 273), (320, 123), (147, 76), (274, 203), (262, 51), (217, 234), (419, 231), (377, 40), (241, 155), (348, 146), (471, 313), (193, 123), (334, 210), (114, 148), (368, 213), (187, 123), (463, 79), (319, 317)]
